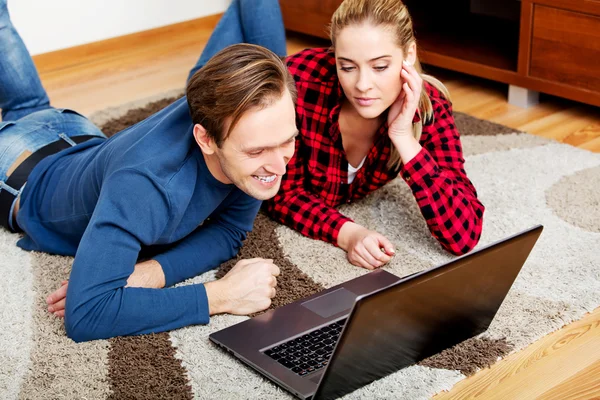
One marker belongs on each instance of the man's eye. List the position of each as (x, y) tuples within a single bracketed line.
[(255, 153)]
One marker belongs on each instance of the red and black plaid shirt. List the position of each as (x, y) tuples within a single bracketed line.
[(317, 175)]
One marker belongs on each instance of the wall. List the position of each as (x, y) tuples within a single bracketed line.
[(48, 25)]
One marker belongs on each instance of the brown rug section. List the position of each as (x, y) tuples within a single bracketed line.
[(470, 356), (468, 125), (292, 284), (145, 367), (134, 116)]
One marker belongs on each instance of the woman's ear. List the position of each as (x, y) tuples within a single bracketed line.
[(204, 141), (411, 53)]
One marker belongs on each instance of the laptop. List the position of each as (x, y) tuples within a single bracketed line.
[(336, 341)]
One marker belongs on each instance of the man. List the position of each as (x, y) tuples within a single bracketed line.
[(179, 190)]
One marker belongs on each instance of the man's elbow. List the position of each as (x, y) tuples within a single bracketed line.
[(78, 330), (83, 323)]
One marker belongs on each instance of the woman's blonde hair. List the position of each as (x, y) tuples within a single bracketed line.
[(238, 78), (392, 13)]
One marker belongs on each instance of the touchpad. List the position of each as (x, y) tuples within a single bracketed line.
[(331, 303)]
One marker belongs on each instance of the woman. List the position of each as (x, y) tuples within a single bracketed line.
[(366, 113)]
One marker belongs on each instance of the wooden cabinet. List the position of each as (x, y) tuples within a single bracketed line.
[(550, 46), (565, 48)]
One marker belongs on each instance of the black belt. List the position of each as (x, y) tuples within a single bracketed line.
[(17, 179)]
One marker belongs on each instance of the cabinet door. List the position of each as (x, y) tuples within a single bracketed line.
[(565, 47), (308, 16)]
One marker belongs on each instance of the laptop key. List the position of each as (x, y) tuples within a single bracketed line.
[(286, 363), (316, 346), (303, 372), (328, 342), (304, 366), (297, 369)]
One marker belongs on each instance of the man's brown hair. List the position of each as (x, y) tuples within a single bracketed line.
[(236, 79)]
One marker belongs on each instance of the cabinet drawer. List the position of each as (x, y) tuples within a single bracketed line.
[(565, 47), (309, 16)]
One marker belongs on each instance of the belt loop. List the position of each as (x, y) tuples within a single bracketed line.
[(67, 139), (9, 189)]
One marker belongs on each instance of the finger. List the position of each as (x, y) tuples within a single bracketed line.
[(58, 306), (64, 282), (60, 314), (273, 293), (275, 271), (357, 260), (368, 257), (408, 77), (272, 281), (409, 95), (374, 249), (386, 245), (250, 260), (57, 295)]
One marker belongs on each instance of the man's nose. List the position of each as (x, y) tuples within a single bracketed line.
[(278, 161)]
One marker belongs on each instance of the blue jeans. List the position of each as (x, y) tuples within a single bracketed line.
[(247, 21), (29, 122)]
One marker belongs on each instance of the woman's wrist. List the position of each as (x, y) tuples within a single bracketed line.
[(408, 147)]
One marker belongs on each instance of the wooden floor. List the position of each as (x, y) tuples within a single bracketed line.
[(564, 365)]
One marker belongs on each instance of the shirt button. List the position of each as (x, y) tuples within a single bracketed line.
[(348, 201), (407, 178)]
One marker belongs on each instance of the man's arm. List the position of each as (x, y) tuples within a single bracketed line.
[(214, 242)]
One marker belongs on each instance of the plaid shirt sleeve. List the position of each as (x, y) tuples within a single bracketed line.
[(437, 178), (301, 210)]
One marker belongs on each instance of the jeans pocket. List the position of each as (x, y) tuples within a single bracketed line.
[(69, 111), (5, 124)]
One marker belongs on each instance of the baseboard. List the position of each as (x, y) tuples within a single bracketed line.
[(95, 51)]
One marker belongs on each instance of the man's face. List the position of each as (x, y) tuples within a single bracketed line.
[(255, 155)]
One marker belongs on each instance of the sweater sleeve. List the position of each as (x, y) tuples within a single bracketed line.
[(214, 242), (98, 303)]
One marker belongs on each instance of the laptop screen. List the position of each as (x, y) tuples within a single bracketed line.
[(423, 315)]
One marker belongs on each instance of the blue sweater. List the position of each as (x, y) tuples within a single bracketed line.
[(146, 190)]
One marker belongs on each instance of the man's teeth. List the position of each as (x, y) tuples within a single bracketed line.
[(266, 179)]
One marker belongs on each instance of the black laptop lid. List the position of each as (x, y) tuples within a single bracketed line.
[(418, 317)]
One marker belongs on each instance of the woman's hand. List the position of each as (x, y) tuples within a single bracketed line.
[(366, 248), (402, 111)]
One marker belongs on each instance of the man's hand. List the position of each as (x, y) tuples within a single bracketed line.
[(246, 289), (146, 274), (56, 300), (365, 248)]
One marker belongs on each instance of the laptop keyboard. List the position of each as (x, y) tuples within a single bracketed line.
[(308, 353)]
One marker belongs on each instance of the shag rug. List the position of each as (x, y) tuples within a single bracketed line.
[(522, 180)]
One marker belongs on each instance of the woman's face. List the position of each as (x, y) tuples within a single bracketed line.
[(369, 62)]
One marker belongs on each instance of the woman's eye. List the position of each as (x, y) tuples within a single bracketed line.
[(380, 68), (347, 69)]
